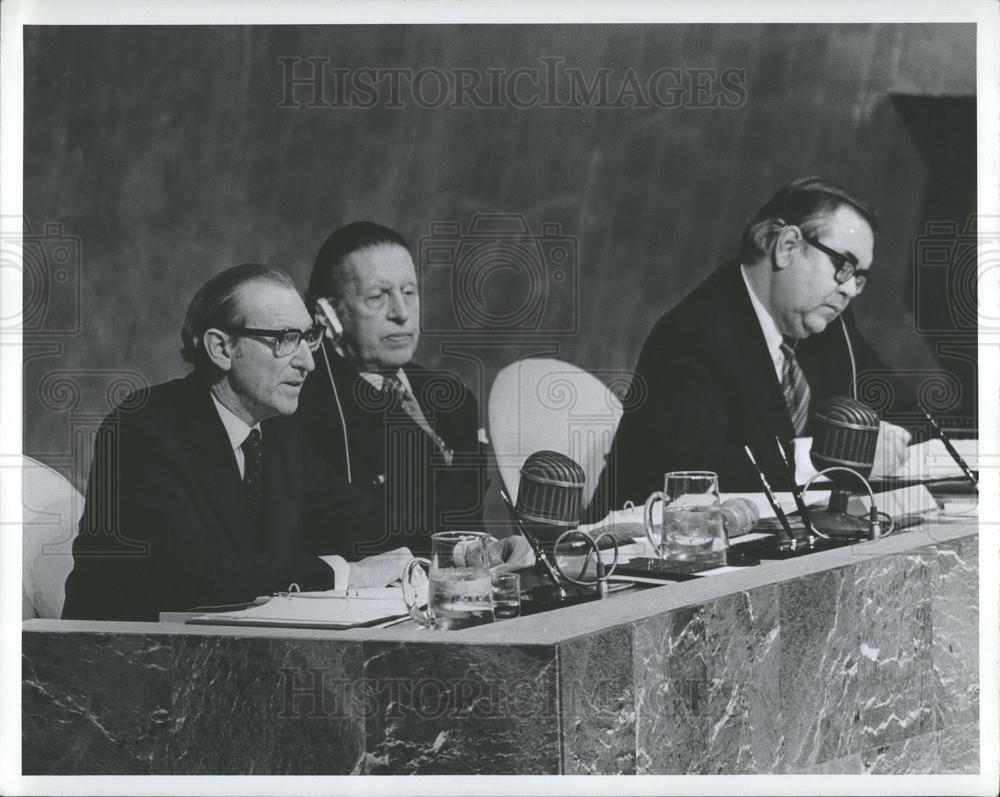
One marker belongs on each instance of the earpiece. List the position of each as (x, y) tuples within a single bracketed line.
[(327, 316)]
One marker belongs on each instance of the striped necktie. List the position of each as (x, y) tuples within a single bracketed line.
[(795, 390), (392, 385)]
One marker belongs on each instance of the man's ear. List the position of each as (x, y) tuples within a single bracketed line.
[(218, 348), (788, 240)]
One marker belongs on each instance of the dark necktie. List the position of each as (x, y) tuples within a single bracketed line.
[(253, 479), (795, 389), (392, 385)]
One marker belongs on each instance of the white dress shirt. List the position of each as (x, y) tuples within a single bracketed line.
[(772, 337), (237, 430), (804, 467)]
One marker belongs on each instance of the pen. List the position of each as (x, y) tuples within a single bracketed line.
[(786, 535), (796, 492), (539, 553), (949, 447)]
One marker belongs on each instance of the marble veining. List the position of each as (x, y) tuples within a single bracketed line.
[(954, 569), (706, 687), (474, 708), (869, 666), (597, 704), (855, 666)]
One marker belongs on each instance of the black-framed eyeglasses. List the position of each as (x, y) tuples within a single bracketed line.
[(846, 265), (286, 341)]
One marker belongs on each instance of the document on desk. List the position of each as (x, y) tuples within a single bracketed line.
[(930, 460), (354, 608)]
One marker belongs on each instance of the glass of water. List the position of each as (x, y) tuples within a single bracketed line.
[(459, 592), (506, 595), (692, 529)]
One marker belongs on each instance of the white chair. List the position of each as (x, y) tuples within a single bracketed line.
[(548, 404), (51, 508)]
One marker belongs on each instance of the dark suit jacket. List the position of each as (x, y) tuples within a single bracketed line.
[(391, 457), (705, 386), (166, 525)]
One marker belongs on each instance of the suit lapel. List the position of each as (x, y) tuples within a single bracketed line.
[(281, 489), (217, 469), (751, 362)]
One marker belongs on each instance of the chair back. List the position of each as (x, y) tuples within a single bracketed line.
[(547, 404), (51, 509)]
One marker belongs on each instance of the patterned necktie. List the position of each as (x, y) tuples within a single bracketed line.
[(392, 385), (795, 389), (253, 479)]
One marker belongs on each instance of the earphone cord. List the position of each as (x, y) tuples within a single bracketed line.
[(850, 353), (340, 411)]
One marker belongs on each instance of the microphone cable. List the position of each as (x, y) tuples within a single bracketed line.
[(875, 515), (850, 355)]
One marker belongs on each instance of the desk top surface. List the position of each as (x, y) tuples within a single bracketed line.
[(557, 626)]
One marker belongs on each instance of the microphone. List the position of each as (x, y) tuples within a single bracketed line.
[(549, 502), (845, 434), (550, 495), (739, 516)]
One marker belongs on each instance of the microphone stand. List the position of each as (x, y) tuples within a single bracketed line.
[(539, 552)]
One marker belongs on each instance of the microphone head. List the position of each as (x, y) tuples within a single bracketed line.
[(550, 494), (845, 434)]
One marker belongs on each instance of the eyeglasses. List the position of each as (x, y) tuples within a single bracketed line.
[(286, 341), (846, 265)]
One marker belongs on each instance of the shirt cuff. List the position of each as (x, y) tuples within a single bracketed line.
[(804, 468), (341, 570)]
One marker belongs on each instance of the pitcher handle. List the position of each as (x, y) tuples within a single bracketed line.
[(647, 519), (421, 614)]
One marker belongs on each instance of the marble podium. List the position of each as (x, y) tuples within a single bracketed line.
[(857, 660)]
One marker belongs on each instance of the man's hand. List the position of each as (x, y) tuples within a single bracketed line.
[(380, 570), (890, 450), (510, 553)]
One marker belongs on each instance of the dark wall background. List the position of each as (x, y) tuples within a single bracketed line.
[(155, 157)]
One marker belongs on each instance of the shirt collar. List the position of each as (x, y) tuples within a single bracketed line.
[(374, 378), (236, 429)]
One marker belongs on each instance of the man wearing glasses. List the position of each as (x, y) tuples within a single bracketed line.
[(752, 350), (202, 490)]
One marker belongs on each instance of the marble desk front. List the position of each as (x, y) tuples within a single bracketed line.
[(860, 659)]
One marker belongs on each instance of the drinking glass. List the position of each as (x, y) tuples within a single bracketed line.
[(692, 520), (459, 589), (506, 595)]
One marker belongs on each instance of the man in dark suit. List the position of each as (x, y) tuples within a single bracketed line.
[(202, 490), (407, 435), (752, 350)]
